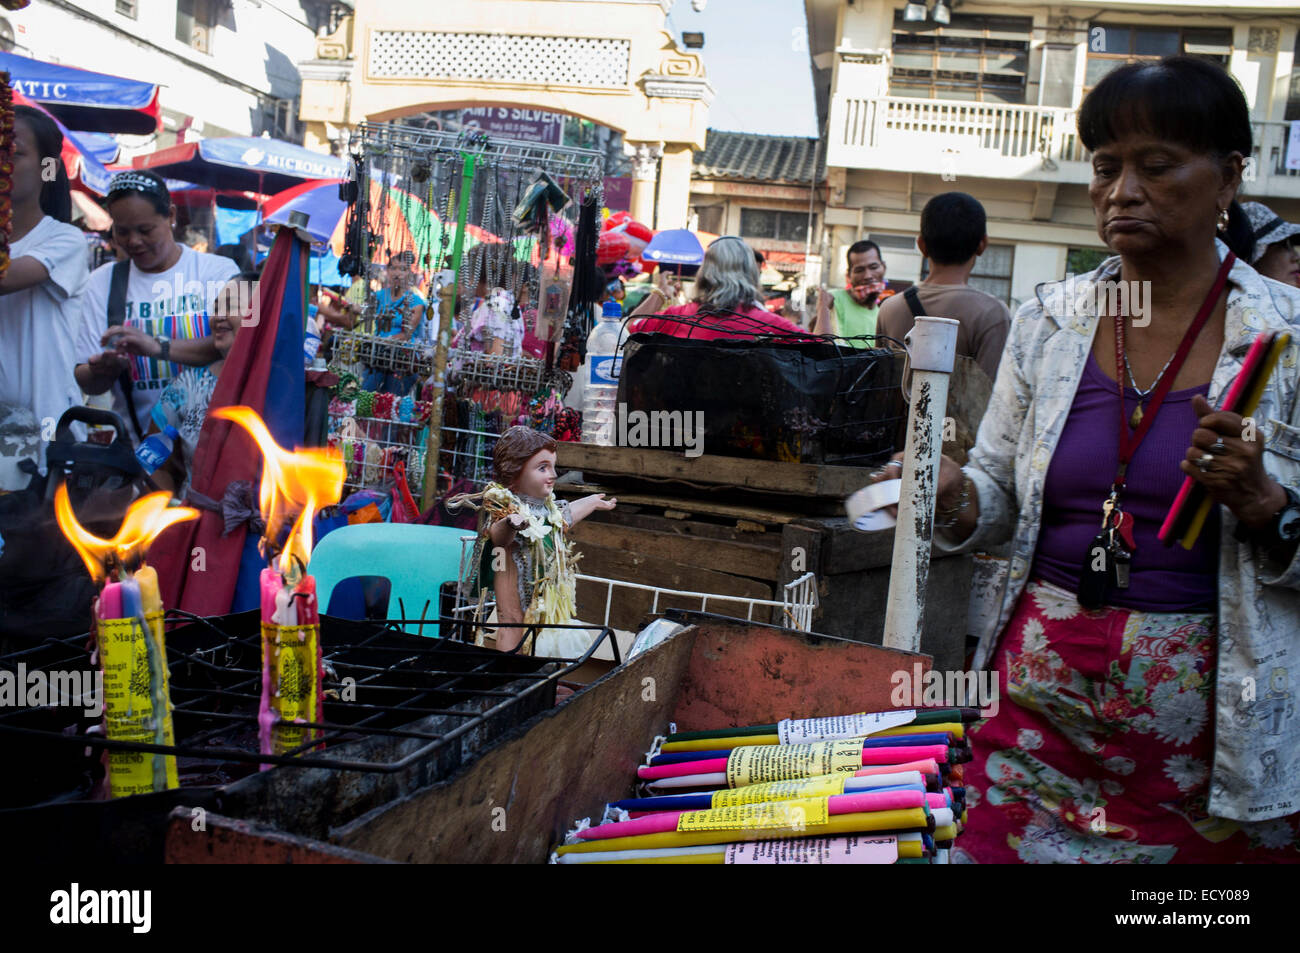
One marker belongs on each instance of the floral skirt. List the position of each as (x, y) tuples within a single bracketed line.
[(1101, 748)]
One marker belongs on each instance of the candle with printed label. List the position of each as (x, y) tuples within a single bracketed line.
[(129, 639)]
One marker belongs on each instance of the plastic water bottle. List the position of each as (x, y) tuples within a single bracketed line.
[(310, 343), (600, 396), (156, 448)]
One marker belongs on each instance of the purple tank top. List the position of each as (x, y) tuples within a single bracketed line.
[(1161, 579)]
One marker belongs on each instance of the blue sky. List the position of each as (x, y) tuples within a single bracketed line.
[(756, 56)]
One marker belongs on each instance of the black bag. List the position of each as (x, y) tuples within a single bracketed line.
[(117, 316), (913, 298), (802, 402), (44, 587)]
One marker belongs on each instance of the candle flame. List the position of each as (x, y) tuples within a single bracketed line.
[(300, 482), (146, 518)]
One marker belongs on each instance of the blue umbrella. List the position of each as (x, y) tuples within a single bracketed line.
[(325, 271), (243, 164), (100, 145), (675, 246), (94, 102)]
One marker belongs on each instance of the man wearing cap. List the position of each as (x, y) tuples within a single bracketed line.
[(1275, 255)]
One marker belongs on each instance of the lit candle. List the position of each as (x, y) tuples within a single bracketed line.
[(129, 643), (293, 488)]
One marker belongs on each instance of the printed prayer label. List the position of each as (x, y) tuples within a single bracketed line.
[(815, 850), (129, 695), (796, 815), (799, 731), (756, 764), (824, 786), (292, 657)]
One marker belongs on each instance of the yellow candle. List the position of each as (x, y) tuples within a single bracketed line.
[(150, 598), (913, 818)]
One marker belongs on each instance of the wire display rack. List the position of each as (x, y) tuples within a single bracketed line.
[(360, 350), (423, 203)]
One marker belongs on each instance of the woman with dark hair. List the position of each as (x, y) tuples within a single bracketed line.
[(1147, 711), (164, 289), (40, 293)]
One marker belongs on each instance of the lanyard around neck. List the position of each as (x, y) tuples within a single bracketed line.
[(1130, 440)]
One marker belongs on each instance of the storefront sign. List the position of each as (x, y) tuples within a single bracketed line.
[(528, 125)]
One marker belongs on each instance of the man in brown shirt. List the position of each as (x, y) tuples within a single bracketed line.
[(953, 234)]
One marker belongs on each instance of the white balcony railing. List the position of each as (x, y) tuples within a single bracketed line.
[(1012, 131), (999, 140), (965, 138)]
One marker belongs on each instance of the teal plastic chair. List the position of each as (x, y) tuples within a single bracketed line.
[(415, 559)]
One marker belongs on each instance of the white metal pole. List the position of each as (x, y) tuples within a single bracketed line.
[(932, 347)]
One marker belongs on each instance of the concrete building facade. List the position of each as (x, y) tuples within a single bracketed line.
[(613, 62), (986, 103), (225, 67)]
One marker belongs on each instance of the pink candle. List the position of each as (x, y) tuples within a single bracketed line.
[(860, 803), (271, 586), (110, 602)]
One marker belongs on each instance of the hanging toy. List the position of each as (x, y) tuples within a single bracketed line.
[(373, 458), (415, 472)]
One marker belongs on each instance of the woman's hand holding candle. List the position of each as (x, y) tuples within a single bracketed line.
[(1236, 477)]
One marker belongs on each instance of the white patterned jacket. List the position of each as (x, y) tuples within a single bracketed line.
[(1256, 774)]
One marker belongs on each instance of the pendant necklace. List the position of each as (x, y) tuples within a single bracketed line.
[(1136, 418)]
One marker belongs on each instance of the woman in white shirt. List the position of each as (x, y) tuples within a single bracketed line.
[(167, 293), (40, 293)]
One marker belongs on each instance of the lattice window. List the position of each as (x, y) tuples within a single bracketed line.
[(551, 60)]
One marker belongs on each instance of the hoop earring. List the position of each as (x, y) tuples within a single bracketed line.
[(1223, 220)]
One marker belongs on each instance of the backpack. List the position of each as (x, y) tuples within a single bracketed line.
[(44, 587)]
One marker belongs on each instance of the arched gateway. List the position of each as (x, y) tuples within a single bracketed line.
[(609, 61)]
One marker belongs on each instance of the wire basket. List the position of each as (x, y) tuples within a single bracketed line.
[(353, 348)]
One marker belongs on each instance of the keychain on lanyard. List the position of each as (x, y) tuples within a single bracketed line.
[(1109, 557)]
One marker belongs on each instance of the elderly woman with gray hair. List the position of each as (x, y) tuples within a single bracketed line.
[(726, 300)]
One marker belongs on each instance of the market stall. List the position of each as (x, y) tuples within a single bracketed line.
[(483, 231)]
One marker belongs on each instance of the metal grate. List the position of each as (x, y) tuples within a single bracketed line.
[(392, 700)]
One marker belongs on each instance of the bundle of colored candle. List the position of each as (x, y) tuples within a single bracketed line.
[(127, 632), (294, 487), (872, 788), (1193, 504)]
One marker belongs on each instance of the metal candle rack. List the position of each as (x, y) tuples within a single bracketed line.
[(392, 699)]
